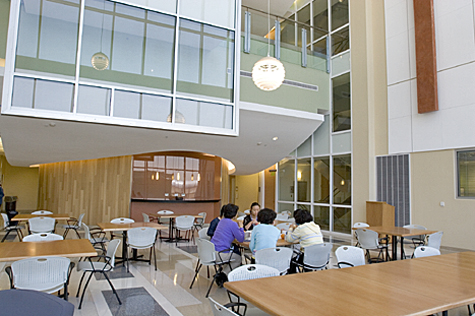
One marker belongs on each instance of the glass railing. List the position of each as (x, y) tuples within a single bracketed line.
[(288, 40)]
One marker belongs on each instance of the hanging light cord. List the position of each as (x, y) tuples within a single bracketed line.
[(102, 29), (268, 27)]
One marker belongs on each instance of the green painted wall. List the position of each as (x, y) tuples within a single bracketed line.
[(4, 14), (288, 97)]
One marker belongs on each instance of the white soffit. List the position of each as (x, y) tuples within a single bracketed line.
[(29, 141)]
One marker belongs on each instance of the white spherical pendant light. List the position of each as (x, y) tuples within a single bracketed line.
[(268, 73), (100, 61)]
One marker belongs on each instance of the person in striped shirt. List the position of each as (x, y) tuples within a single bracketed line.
[(304, 231)]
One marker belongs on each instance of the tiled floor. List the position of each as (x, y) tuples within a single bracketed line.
[(145, 291)]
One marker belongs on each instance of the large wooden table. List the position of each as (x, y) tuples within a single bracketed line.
[(110, 227), (26, 217), (280, 243), (171, 218), (399, 232), (420, 286), (12, 251)]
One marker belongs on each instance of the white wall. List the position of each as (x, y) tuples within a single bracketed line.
[(451, 126)]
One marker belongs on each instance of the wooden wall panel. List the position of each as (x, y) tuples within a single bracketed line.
[(100, 188)]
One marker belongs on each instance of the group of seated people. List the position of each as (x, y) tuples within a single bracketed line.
[(225, 229)]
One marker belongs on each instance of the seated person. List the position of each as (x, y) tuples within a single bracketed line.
[(214, 223), (251, 220), (264, 235), (306, 232), (228, 230)]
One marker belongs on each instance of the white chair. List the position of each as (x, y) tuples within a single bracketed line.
[(184, 223), (284, 226), (220, 310), (96, 236), (282, 217), (165, 220), (359, 225), (146, 218), (73, 225), (278, 258), (203, 234), (48, 274), (200, 221), (241, 218), (248, 272), (142, 238), (434, 240), (9, 228), (416, 240), (369, 240), (316, 257), (122, 220), (207, 257), (41, 225), (99, 267), (41, 212), (247, 212), (425, 251), (42, 237), (349, 256)]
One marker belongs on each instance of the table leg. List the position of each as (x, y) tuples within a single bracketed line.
[(402, 248), (394, 244), (124, 247), (445, 313)]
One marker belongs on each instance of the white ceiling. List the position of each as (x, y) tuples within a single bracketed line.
[(28, 140)]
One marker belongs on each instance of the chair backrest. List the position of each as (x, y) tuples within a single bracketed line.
[(318, 255), (282, 216), (80, 218), (40, 274), (360, 225), (247, 212), (165, 212), (241, 218), (41, 224), (206, 251), (204, 214), (368, 239), (111, 250), (278, 258), (122, 220), (415, 226), (284, 226), (146, 218), (349, 254), (6, 222), (42, 237), (87, 233), (434, 240), (220, 310), (184, 222), (41, 212), (252, 271), (203, 233), (424, 251), (141, 236)]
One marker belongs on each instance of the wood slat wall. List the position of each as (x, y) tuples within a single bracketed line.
[(100, 188)]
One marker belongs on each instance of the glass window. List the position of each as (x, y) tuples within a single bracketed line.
[(204, 114), (342, 180), (304, 179), (320, 18), (205, 61), (219, 12), (320, 48), (321, 138), (342, 220), (303, 15), (47, 37), (340, 41), (306, 148), (141, 106), (93, 100), (466, 173), (341, 143), (161, 5), (286, 179), (138, 44), (285, 207), (287, 33), (36, 94), (341, 103), (341, 64), (339, 13), (321, 216), (321, 180)]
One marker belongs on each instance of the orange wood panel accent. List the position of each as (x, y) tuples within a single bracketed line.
[(426, 62), (269, 197)]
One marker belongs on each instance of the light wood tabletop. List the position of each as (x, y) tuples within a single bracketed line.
[(420, 286), (109, 227), (12, 251), (280, 243), (174, 215), (26, 217)]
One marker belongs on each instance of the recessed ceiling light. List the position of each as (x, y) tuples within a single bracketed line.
[(275, 138), (259, 143)]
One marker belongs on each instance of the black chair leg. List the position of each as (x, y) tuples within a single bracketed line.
[(6, 235), (154, 256), (112, 287), (197, 270), (65, 233), (77, 234), (212, 281), (80, 283), (84, 289)]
